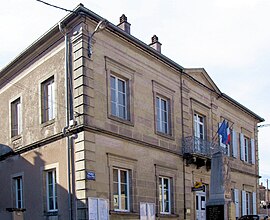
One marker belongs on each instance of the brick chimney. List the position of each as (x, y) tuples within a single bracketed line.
[(124, 25), (155, 44)]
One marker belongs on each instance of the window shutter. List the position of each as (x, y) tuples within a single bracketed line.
[(236, 200), (234, 144), (252, 142), (242, 147), (254, 202), (244, 208), (93, 208)]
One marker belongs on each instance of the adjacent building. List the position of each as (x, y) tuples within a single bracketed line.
[(97, 124)]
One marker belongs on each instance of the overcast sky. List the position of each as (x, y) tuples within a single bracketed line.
[(229, 38)]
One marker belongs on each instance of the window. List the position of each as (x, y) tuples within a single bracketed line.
[(51, 190), (48, 100), (121, 189), (164, 195), (119, 106), (246, 149), (16, 119), (199, 126), (162, 113), (18, 192)]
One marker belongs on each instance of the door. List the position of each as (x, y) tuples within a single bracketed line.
[(200, 206)]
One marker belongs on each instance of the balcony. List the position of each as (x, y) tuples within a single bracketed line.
[(198, 151)]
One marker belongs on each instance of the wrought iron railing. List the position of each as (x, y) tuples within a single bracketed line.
[(198, 146)]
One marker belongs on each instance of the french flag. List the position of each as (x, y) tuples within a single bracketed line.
[(228, 141)]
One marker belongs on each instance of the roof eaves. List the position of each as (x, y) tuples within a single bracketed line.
[(228, 98)]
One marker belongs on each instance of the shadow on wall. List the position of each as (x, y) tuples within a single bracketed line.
[(39, 199)]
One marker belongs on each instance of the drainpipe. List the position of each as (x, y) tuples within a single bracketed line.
[(67, 102)]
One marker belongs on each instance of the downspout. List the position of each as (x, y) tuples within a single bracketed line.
[(184, 166), (67, 102)]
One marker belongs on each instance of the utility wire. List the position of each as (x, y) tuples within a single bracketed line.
[(55, 6)]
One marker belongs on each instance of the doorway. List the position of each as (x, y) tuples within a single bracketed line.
[(200, 205)]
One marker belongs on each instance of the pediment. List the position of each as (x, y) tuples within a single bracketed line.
[(200, 75)]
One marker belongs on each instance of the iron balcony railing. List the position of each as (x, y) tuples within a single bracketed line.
[(197, 146)]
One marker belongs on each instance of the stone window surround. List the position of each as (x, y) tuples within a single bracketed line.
[(171, 173), (130, 164), (43, 170), (13, 191), (125, 73), (203, 110), (18, 96), (166, 93)]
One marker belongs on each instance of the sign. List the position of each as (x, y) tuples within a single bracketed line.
[(90, 175), (215, 212), (98, 209), (198, 186)]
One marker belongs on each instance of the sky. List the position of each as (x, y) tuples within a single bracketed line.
[(229, 38)]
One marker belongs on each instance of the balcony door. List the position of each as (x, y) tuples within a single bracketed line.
[(199, 132)]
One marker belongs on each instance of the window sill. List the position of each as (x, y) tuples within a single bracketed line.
[(167, 215), (52, 213), (47, 123), (169, 136), (15, 138), (123, 213), (123, 121), (15, 209)]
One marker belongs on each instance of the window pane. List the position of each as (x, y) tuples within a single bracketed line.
[(121, 98), (113, 108), (113, 95), (123, 176), (122, 111), (113, 82), (121, 86), (163, 105)]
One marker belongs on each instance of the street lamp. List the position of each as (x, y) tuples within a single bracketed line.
[(100, 27)]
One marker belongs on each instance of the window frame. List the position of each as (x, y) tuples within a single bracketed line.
[(159, 111), (161, 194), (16, 117), (119, 183), (19, 204), (197, 124), (54, 188), (125, 73), (126, 106), (48, 106)]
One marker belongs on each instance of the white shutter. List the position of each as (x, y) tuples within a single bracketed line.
[(234, 144), (254, 203), (236, 200), (98, 209), (252, 142), (93, 208), (244, 208), (242, 146)]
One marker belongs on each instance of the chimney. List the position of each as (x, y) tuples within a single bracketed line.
[(124, 25), (155, 44)]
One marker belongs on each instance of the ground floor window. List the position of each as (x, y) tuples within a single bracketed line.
[(121, 198), (164, 195)]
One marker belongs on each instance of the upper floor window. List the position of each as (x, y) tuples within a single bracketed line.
[(119, 102), (48, 100), (164, 195), (247, 149), (51, 190), (162, 115), (18, 192), (199, 126), (16, 118), (121, 187)]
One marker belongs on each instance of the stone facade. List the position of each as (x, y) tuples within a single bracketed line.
[(104, 143)]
